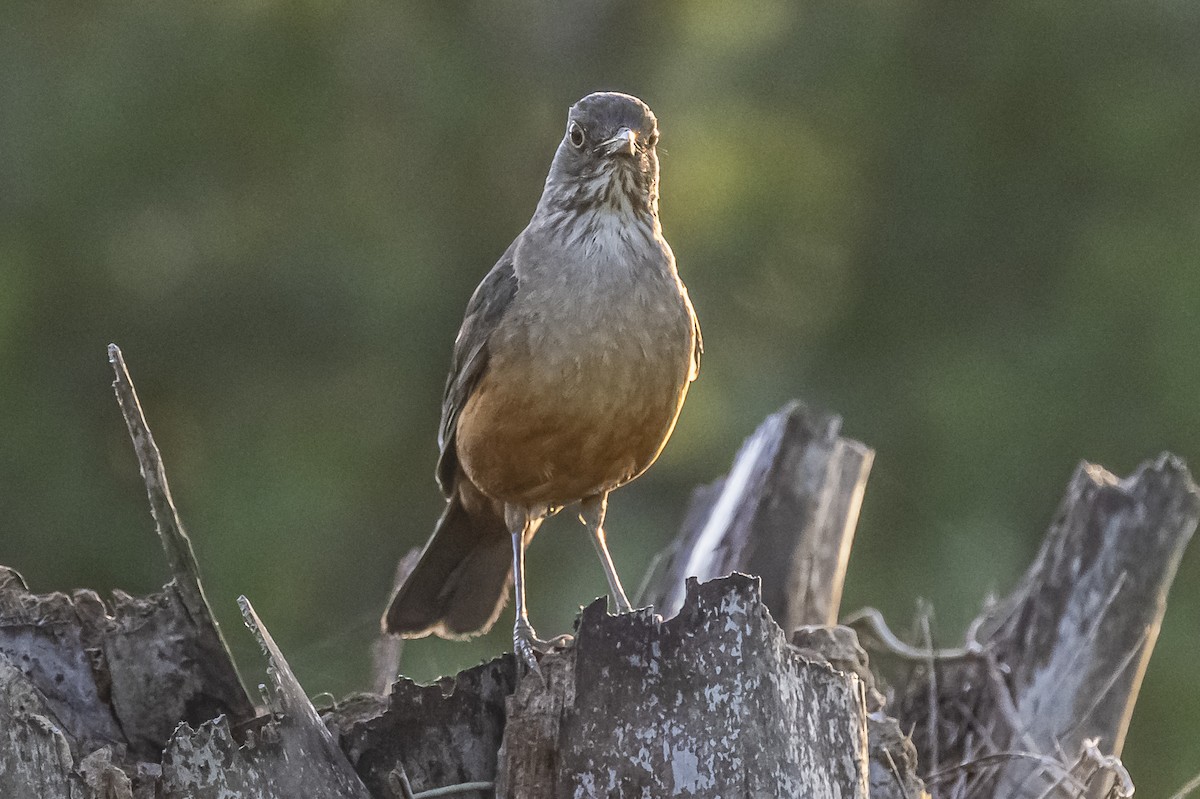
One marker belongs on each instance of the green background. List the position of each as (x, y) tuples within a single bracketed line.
[(969, 228)]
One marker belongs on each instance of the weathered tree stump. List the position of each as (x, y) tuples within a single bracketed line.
[(1054, 668), (138, 698), (713, 702)]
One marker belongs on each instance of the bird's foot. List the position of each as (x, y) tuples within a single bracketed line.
[(527, 645)]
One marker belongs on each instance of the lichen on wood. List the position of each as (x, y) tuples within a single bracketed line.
[(713, 702)]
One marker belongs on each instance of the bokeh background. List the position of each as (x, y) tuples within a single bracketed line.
[(969, 228)]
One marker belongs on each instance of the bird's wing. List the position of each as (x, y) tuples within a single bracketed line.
[(487, 306)]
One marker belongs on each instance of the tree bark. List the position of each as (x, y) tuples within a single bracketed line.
[(711, 703)]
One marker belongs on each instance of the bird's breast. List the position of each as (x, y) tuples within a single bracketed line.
[(584, 383)]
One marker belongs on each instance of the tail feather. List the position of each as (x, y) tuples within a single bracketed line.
[(461, 582)]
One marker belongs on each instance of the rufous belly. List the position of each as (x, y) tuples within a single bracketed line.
[(536, 435)]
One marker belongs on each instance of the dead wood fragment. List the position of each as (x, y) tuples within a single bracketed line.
[(292, 754), (893, 766), (441, 734), (1055, 667), (123, 675), (785, 512), (893, 758), (385, 653), (35, 755), (223, 691)]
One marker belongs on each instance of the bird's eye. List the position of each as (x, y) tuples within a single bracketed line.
[(576, 134), (653, 140)]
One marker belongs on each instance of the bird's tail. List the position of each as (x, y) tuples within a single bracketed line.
[(461, 582)]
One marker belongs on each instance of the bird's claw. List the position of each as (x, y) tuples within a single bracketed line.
[(527, 645), (526, 655)]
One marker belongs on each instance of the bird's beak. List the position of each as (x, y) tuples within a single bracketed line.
[(624, 143)]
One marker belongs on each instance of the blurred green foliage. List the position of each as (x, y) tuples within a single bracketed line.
[(970, 228)]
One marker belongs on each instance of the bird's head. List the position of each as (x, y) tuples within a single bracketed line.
[(607, 156)]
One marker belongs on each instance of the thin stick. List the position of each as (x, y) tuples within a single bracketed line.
[(180, 556), (1109, 763), (398, 782), (1191, 785), (1048, 763), (872, 621), (932, 724), (175, 543), (451, 790), (402, 788)]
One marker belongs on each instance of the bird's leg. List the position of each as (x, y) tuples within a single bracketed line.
[(591, 513), (524, 638), (523, 525)]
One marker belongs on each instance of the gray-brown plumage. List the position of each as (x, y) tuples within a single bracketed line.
[(567, 377)]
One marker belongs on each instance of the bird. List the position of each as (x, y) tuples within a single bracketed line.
[(567, 377)]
